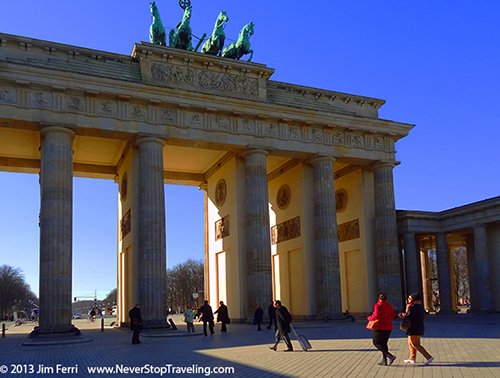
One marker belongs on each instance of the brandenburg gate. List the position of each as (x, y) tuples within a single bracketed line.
[(298, 181)]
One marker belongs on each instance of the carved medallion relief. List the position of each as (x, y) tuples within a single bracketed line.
[(220, 192), (283, 196), (341, 200)]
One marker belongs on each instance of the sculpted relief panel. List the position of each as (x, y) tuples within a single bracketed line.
[(227, 83)]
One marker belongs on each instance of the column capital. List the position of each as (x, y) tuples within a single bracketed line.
[(383, 164), (149, 139), (320, 158), (256, 150), (49, 129), (480, 226), (203, 186)]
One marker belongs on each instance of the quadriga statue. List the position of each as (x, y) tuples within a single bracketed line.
[(242, 46), (156, 30), (215, 43)]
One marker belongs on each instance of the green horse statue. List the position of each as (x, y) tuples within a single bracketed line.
[(182, 38), (242, 46), (156, 30), (215, 43)]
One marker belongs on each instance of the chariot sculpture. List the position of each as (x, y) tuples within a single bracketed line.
[(181, 36)]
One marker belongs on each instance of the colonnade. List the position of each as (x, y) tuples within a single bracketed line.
[(482, 249), (56, 176)]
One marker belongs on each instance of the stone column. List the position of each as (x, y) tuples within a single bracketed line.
[(412, 262), (326, 246), (386, 234), (443, 267), (258, 238), (56, 233), (151, 228), (471, 268), (206, 248), (483, 276)]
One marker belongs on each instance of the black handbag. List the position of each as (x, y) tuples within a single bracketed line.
[(405, 324)]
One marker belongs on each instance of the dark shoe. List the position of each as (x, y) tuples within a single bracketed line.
[(272, 348), (268, 327), (383, 362), (288, 350), (391, 358)]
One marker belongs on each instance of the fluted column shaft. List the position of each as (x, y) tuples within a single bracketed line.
[(443, 266), (258, 239), (482, 269), (412, 263), (386, 234), (152, 240), (56, 222), (329, 304)]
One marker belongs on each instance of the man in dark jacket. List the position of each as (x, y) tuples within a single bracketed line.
[(271, 311), (258, 315), (207, 316), (222, 316), (135, 323), (283, 320)]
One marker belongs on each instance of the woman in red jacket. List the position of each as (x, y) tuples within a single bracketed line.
[(384, 312)]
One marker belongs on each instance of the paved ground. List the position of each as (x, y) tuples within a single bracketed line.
[(463, 346)]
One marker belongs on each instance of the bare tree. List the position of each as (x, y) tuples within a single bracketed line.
[(15, 293), (459, 258), (182, 281)]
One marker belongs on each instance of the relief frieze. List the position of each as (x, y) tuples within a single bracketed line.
[(348, 230), (246, 126), (378, 143), (287, 230), (222, 228), (41, 99), (221, 123), (7, 96), (317, 135), (202, 79), (125, 225), (294, 132), (168, 116), (106, 107), (194, 120), (74, 103), (338, 138), (357, 141), (138, 112)]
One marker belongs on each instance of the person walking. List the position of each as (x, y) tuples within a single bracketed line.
[(384, 313), (189, 317), (258, 315), (206, 315), (271, 312), (283, 320), (415, 313), (135, 323), (222, 316)]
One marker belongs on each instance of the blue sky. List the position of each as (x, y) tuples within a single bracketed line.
[(435, 63)]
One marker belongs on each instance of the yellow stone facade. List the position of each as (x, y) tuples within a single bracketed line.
[(202, 116)]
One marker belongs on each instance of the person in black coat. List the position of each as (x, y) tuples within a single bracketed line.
[(283, 320), (206, 315), (222, 316), (415, 313), (258, 315), (271, 311), (135, 323)]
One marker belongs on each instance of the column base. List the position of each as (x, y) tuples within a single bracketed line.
[(40, 337)]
